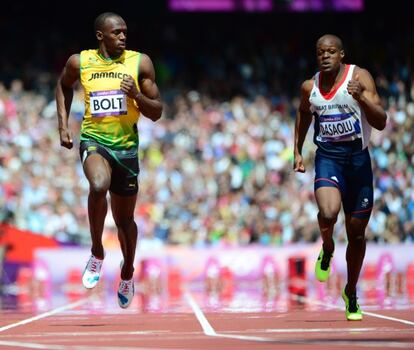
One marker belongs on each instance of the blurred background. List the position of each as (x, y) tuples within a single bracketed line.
[(216, 170)]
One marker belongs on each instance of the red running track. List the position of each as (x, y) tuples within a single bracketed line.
[(190, 322)]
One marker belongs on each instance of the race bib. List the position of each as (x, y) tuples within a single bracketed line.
[(338, 127), (109, 102)]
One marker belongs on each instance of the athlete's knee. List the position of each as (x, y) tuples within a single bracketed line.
[(328, 216), (356, 228), (98, 185), (126, 224), (357, 239)]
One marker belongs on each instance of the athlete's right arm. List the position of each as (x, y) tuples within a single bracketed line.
[(64, 96), (303, 121)]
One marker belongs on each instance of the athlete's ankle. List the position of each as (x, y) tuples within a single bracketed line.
[(98, 253), (328, 248), (349, 291), (127, 274)]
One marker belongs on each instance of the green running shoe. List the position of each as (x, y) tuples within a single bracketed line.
[(352, 310), (323, 266)]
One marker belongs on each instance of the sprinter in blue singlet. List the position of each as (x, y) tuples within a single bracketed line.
[(343, 102)]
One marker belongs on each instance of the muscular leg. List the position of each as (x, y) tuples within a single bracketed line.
[(329, 204), (123, 211), (98, 173), (355, 251)]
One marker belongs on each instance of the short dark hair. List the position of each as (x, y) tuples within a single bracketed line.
[(333, 37), (100, 20)]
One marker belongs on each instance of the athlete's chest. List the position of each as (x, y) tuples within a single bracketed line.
[(341, 100), (104, 74), (102, 83)]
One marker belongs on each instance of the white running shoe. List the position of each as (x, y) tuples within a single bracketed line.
[(92, 272), (125, 293)]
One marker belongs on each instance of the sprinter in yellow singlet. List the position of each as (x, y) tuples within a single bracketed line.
[(119, 85)]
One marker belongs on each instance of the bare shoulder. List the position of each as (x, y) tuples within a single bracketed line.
[(365, 78), (361, 73), (73, 62), (146, 67), (71, 71), (305, 92), (307, 86), (145, 57), (145, 61)]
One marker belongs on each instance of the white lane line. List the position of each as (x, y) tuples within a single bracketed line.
[(209, 331), (325, 330), (249, 338), (17, 344), (69, 347), (389, 318), (369, 344), (207, 328), (168, 333), (45, 314), (332, 306), (86, 334)]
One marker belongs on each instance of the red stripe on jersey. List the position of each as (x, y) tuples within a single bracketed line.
[(328, 95)]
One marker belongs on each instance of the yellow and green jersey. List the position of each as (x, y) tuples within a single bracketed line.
[(110, 115)]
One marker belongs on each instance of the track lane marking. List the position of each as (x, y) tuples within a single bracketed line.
[(70, 347), (332, 306), (45, 314), (205, 325), (210, 331)]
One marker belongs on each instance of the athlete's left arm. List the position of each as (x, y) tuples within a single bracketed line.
[(362, 88), (148, 97)]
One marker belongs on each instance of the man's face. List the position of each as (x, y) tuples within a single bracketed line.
[(329, 55), (114, 34)]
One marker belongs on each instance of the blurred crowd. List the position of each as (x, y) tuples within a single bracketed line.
[(217, 168), (212, 171)]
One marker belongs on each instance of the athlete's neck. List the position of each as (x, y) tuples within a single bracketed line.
[(106, 56), (332, 78), (329, 80)]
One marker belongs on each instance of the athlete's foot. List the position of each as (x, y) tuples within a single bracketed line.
[(92, 272), (323, 266), (125, 293), (352, 310)]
